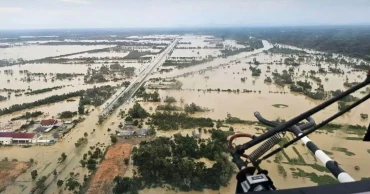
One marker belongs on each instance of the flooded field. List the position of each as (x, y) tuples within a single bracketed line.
[(38, 51), (228, 79)]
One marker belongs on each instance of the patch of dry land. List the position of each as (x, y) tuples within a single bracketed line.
[(111, 167), (9, 171)]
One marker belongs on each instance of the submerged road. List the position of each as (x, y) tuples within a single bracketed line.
[(128, 92)]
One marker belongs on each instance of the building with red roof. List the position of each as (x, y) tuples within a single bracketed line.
[(8, 138), (48, 123)]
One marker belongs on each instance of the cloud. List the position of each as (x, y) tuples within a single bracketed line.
[(10, 10), (76, 1)]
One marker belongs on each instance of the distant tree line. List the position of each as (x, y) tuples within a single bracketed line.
[(48, 100)]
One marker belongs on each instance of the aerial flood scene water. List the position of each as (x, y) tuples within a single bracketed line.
[(162, 110)]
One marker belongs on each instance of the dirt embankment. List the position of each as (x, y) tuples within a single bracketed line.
[(9, 171), (113, 165)]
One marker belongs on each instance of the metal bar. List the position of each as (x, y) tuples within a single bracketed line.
[(295, 120), (342, 176), (329, 163)]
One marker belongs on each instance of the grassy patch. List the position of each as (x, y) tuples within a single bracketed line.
[(319, 167), (281, 171), (280, 105), (365, 178), (6, 165), (368, 151), (300, 158), (344, 150), (354, 138), (328, 152), (319, 179)]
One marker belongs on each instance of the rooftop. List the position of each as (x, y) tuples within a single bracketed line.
[(18, 135), (48, 122)]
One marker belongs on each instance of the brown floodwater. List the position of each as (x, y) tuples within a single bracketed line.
[(240, 105), (40, 51)]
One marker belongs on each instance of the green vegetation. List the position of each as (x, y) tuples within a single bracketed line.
[(328, 152), (33, 92), (28, 115), (137, 54), (62, 158), (193, 108), (80, 142), (328, 39), (34, 174), (60, 183), (236, 120), (137, 112), (282, 79), (169, 99), (318, 167), (174, 164), (113, 139), (250, 43), (167, 121), (282, 171), (67, 114), (300, 158), (49, 100), (255, 71), (169, 107), (280, 105), (368, 151), (268, 80), (354, 138), (364, 116), (96, 96), (344, 150), (349, 98), (148, 97), (184, 63), (2, 98), (277, 49), (72, 183), (40, 184), (319, 179)]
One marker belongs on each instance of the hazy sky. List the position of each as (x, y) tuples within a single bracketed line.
[(30, 14)]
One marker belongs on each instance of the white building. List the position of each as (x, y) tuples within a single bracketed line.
[(17, 138)]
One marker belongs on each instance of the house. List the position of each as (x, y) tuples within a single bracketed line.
[(40, 129), (17, 138), (142, 132), (128, 126), (48, 123), (126, 133), (196, 133)]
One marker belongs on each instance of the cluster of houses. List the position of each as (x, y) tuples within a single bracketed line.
[(36, 137), (128, 130)]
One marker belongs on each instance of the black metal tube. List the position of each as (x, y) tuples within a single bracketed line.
[(302, 127), (338, 114), (295, 120)]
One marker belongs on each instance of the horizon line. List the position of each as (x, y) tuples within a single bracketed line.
[(190, 27)]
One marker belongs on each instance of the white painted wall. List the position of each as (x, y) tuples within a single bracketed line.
[(5, 140)]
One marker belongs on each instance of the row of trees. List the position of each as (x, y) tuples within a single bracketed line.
[(49, 100), (28, 115), (33, 92), (172, 121)]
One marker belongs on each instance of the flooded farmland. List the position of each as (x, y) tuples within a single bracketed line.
[(225, 84)]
